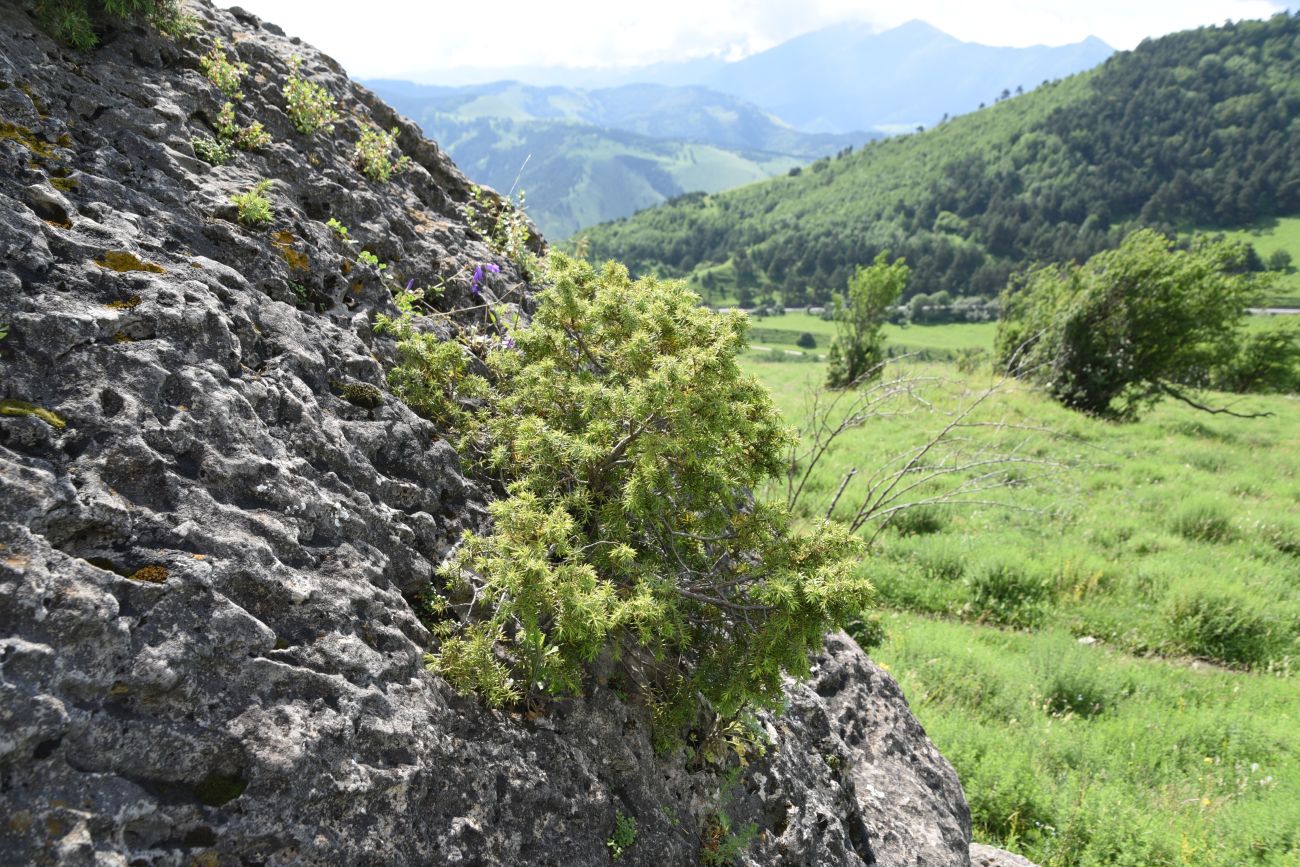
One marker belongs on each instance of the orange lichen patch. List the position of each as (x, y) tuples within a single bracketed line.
[(358, 286), (284, 241), (64, 185), (17, 562), (26, 138), (58, 224), (122, 261), (128, 304), (200, 556), (121, 337), (420, 220), (346, 267), (152, 574)]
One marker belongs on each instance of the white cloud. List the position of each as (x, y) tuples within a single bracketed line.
[(394, 38)]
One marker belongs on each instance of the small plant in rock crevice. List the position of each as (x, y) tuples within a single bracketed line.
[(504, 226), (223, 72), (338, 229), (721, 844), (211, 150), (623, 837), (253, 207), (76, 22), (311, 108), (249, 138), (373, 155)]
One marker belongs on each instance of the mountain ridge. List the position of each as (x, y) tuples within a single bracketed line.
[(1195, 128), (585, 156), (781, 68)]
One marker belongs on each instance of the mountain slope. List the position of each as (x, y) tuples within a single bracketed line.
[(1198, 127), (847, 77), (588, 156)]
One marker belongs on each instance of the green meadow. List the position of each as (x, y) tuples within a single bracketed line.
[(1105, 647), (938, 342), (1267, 237)]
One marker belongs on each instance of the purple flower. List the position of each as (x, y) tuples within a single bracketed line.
[(477, 281), (507, 342), (410, 284)]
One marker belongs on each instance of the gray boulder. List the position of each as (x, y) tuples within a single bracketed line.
[(216, 523)]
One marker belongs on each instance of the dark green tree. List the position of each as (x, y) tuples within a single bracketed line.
[(1131, 326)]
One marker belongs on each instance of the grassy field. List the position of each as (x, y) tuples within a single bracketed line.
[(1268, 237), (939, 342), (1172, 546)]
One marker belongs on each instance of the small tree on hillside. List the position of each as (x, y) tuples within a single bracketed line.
[(1133, 325), (859, 344)]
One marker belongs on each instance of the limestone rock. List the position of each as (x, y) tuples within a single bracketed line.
[(989, 856), (215, 522)]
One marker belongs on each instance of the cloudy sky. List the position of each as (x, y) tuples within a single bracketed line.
[(399, 38)]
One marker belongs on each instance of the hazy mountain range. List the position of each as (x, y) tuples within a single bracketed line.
[(595, 145)]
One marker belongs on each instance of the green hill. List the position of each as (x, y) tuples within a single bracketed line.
[(1199, 128), (585, 156)]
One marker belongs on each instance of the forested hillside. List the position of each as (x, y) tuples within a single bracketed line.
[(1197, 128)]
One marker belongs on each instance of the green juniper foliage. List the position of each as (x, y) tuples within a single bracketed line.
[(628, 441), (75, 22), (311, 108)]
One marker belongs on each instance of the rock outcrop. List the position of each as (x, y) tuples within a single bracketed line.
[(215, 522)]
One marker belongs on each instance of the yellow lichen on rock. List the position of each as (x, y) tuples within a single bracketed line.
[(284, 241), (121, 261), (22, 407)]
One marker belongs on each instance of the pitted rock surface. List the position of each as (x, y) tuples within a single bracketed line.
[(990, 856), (209, 557)]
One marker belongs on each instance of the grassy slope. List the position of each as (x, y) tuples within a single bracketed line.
[(1156, 763), (1278, 234)]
